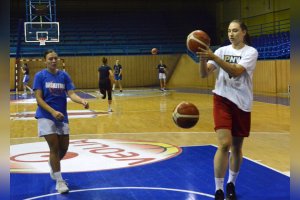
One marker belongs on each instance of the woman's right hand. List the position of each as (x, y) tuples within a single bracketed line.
[(58, 115)]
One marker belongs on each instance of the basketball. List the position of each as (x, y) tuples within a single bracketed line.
[(154, 51), (197, 39), (185, 115)]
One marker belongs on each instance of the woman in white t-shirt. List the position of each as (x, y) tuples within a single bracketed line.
[(233, 97)]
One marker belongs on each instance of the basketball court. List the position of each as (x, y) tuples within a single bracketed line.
[(137, 152)]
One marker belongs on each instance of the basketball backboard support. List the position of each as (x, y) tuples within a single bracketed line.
[(37, 31)]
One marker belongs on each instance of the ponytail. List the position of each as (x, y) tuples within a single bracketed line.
[(104, 60)]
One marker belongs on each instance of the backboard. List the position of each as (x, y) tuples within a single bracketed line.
[(38, 31)]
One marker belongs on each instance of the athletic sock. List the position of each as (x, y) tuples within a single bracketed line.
[(232, 176), (219, 184), (58, 176)]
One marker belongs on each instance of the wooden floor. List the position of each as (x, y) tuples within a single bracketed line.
[(146, 115)]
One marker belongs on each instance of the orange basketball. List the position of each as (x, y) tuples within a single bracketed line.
[(154, 51), (186, 115), (197, 39)]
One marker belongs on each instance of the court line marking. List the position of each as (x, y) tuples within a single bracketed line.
[(283, 173), (126, 188), (256, 161), (88, 93)]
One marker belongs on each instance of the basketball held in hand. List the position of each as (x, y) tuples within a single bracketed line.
[(186, 115), (196, 39)]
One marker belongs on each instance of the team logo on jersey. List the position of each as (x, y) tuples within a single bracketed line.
[(90, 155), (56, 89), (232, 59)]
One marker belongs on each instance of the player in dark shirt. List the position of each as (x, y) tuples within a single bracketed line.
[(106, 80), (162, 70)]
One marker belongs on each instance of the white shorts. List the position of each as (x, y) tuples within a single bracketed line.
[(161, 76), (47, 127)]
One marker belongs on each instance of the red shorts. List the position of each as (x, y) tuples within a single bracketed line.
[(228, 116)]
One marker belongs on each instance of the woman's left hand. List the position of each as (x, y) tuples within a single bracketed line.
[(85, 104)]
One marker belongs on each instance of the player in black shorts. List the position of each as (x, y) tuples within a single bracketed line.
[(106, 80)]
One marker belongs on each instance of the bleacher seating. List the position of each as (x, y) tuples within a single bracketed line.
[(124, 33), (273, 46), (134, 34)]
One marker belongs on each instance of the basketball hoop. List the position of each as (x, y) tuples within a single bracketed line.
[(42, 41)]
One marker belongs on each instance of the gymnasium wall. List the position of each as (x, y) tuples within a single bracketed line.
[(270, 77), (138, 71), (252, 12), (186, 74)]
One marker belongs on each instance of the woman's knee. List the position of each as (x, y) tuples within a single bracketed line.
[(54, 148), (62, 152), (224, 146), (236, 150), (237, 145)]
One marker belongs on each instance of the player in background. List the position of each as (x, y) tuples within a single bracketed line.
[(232, 102), (26, 78), (106, 80), (51, 88), (162, 70), (118, 75)]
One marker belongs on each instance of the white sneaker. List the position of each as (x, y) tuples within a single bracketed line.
[(61, 187), (51, 172), (110, 110), (99, 94)]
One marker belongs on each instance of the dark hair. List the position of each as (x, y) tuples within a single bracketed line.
[(104, 60), (244, 27), (47, 52), (25, 66)]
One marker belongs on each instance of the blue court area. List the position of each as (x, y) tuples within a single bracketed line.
[(188, 176), (19, 96)]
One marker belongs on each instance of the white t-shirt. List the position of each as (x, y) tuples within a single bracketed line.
[(239, 89)]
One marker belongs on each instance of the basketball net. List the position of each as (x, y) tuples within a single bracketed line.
[(42, 41)]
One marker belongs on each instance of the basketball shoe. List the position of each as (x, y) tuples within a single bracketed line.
[(61, 186), (219, 195), (100, 94), (230, 191)]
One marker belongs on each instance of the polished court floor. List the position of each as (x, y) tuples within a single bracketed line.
[(181, 165)]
